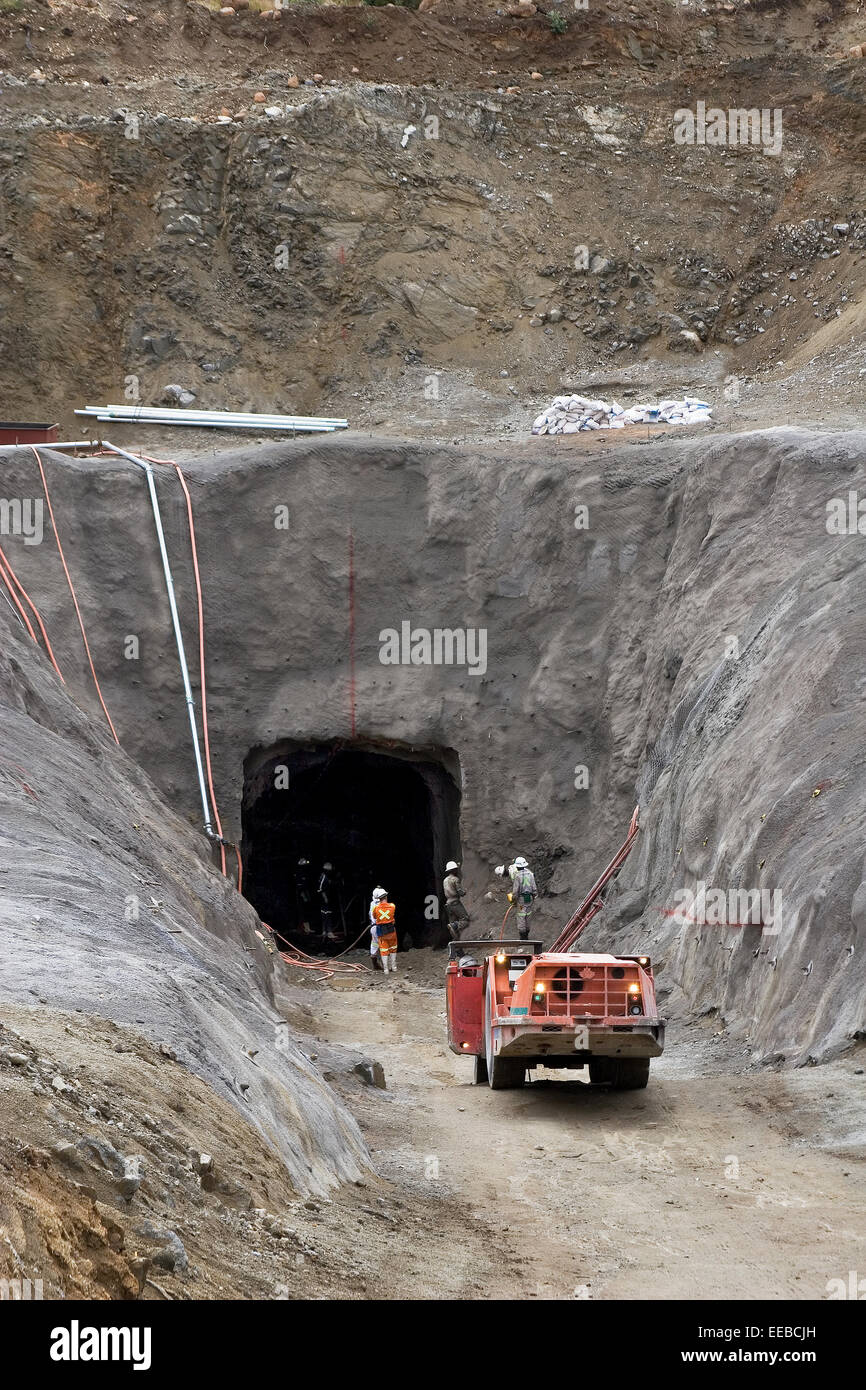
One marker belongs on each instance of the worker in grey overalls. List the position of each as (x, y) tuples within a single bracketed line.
[(456, 915), (524, 891)]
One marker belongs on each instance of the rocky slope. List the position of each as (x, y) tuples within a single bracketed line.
[(109, 909)]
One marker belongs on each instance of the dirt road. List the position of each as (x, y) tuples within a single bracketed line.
[(716, 1182)]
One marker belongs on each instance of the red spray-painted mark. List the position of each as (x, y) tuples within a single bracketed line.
[(25, 786), (352, 632)]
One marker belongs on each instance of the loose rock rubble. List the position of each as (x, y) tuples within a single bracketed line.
[(570, 414)]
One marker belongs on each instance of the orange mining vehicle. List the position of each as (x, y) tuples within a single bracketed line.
[(513, 1006)]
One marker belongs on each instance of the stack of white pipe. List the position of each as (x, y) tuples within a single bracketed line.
[(54, 444), (213, 419)]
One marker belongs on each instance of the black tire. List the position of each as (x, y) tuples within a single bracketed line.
[(599, 1071), (503, 1073), (621, 1073), (479, 1073)]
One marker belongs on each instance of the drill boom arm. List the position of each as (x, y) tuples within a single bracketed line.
[(593, 902)]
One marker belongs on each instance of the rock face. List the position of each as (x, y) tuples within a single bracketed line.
[(748, 778), (315, 250), (106, 907), (674, 623)]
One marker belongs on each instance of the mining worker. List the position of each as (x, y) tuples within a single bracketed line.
[(456, 915), (379, 895), (524, 891), (383, 929), (328, 901), (304, 894)]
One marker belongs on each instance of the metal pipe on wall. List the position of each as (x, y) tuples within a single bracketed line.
[(67, 444), (169, 584)]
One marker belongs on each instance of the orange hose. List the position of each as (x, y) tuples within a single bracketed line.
[(72, 592), (293, 955), (12, 594), (504, 920), (6, 565), (240, 870)]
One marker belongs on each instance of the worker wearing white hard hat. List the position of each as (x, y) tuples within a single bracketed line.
[(456, 916), (379, 895), (383, 931), (524, 891)]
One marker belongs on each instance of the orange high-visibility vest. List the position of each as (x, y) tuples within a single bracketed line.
[(383, 912)]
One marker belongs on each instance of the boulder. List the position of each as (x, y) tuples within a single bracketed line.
[(371, 1073), (170, 1253)]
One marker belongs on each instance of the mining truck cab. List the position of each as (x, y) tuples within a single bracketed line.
[(513, 1007), (465, 982)]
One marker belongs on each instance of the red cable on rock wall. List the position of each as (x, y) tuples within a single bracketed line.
[(7, 573), (4, 566), (72, 592)]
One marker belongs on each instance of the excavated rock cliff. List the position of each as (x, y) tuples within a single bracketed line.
[(670, 621)]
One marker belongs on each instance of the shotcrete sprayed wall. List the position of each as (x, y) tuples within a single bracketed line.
[(672, 620)]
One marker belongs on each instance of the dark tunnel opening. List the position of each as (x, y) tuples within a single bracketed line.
[(380, 819)]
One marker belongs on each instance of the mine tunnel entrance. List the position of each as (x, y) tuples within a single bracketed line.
[(388, 819)]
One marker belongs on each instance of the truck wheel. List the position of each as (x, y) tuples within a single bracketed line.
[(479, 1074), (503, 1073), (600, 1070), (621, 1073), (630, 1073)]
